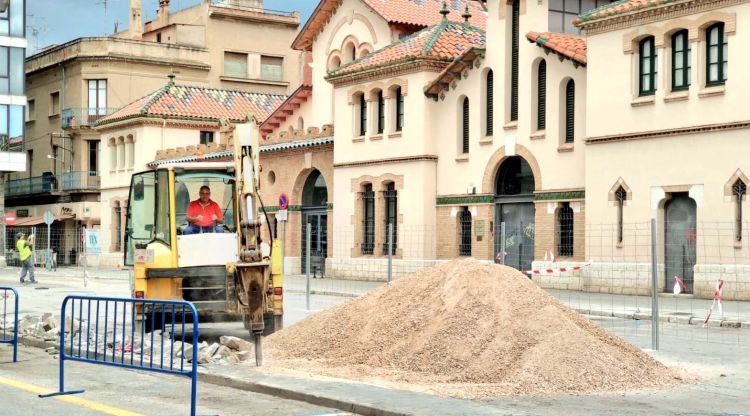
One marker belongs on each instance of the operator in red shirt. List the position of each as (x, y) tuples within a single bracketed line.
[(204, 215)]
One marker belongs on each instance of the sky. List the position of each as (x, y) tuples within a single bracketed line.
[(51, 22)]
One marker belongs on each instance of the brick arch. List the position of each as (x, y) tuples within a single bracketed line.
[(299, 184), (497, 159)]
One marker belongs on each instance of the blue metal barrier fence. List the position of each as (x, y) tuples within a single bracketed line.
[(114, 336), (5, 339)]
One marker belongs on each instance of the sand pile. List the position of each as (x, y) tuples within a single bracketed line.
[(465, 329)]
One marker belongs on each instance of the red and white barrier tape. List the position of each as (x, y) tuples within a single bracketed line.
[(679, 286), (558, 269), (717, 301)]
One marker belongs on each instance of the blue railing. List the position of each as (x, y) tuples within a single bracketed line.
[(84, 117), (30, 186), (7, 293), (113, 323), (73, 181)]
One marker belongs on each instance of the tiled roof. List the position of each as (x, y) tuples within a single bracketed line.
[(216, 156), (199, 103), (298, 144), (619, 7), (442, 42), (286, 109), (419, 13), (453, 72), (568, 46)]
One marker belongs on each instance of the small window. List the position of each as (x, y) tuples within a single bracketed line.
[(391, 211), (716, 55), (465, 126), (207, 137), (541, 96), (93, 157), (368, 220), (235, 65), (362, 109), (272, 68), (647, 67), (620, 197), (54, 104), (97, 99), (11, 71), (381, 112), (680, 61), (565, 230), (570, 111), (399, 110), (31, 110), (739, 190), (158, 37), (489, 104), (464, 221)]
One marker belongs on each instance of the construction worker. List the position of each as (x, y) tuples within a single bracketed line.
[(24, 253)]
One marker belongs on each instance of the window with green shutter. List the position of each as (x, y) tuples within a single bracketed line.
[(514, 61), (490, 105), (716, 55), (541, 96), (465, 126), (362, 115), (570, 111), (680, 61), (381, 112), (647, 67)]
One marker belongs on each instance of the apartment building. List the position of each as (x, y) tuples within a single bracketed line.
[(229, 44)]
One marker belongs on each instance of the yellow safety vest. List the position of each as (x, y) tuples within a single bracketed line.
[(24, 251)]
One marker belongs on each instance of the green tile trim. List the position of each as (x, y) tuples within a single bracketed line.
[(465, 200), (291, 208), (560, 195)]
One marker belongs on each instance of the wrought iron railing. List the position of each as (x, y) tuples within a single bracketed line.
[(84, 117)]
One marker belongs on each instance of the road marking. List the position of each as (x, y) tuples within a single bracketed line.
[(69, 399)]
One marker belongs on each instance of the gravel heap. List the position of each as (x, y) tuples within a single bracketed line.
[(465, 329)]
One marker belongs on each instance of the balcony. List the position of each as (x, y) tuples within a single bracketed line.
[(47, 184), (75, 118)]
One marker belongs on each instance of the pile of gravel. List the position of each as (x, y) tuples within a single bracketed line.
[(465, 329)]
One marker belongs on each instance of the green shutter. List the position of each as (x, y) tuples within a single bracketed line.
[(465, 127), (570, 103), (514, 62), (490, 103), (541, 94)]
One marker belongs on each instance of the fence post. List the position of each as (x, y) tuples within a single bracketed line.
[(307, 263), (86, 260), (654, 289), (502, 241), (390, 251)]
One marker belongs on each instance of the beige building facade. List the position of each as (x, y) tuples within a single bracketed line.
[(70, 87)]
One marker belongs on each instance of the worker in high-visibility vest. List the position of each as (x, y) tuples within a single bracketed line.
[(24, 254)]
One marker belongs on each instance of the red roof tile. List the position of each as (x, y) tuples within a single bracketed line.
[(442, 42), (420, 13), (569, 46), (618, 7), (199, 103)]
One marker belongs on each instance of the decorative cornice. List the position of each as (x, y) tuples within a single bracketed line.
[(708, 128), (141, 119), (650, 13), (422, 158), (554, 196), (392, 69), (465, 200)]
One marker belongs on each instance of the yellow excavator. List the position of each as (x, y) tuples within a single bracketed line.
[(226, 274)]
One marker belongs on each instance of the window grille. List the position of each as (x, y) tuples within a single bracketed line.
[(739, 190), (716, 55), (541, 94), (565, 226), (570, 111), (647, 67), (490, 105), (368, 220), (390, 195), (464, 248), (680, 61)]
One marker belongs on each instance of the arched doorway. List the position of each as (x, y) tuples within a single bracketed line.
[(315, 213), (514, 213), (680, 214)]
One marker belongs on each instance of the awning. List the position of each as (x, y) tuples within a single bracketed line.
[(29, 221)]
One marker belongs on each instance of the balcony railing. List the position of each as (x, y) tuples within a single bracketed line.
[(83, 117), (67, 182)]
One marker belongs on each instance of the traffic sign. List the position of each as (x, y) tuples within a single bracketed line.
[(283, 201), (10, 218), (282, 215), (49, 217)]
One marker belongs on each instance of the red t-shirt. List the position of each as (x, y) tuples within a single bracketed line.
[(195, 209)]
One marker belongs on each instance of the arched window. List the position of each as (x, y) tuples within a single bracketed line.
[(390, 195), (647, 67), (465, 125), (334, 63), (350, 52), (680, 61), (381, 112), (399, 110), (620, 197), (565, 230), (716, 55), (739, 190), (541, 96), (464, 222), (489, 103), (315, 191), (570, 111), (368, 219)]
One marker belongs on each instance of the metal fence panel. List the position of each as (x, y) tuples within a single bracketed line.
[(9, 334)]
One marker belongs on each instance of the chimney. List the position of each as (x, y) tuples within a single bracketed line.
[(136, 23), (163, 14)]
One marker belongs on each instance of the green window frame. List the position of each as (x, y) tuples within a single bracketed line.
[(680, 61), (490, 104), (716, 55), (647, 67), (362, 115), (399, 110), (570, 111), (381, 112), (465, 126), (541, 96)]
